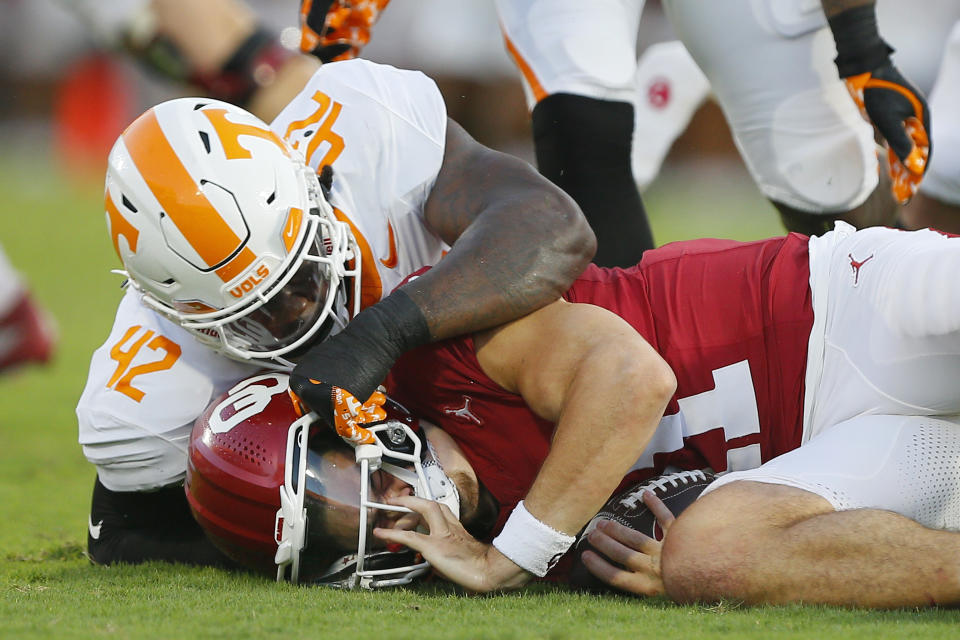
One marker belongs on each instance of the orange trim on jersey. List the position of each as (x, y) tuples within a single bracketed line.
[(528, 74), (371, 286), (120, 226), (229, 133), (181, 198), (391, 261), (291, 228)]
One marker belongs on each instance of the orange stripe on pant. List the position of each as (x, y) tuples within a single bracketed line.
[(528, 74)]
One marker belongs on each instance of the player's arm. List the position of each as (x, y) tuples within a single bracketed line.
[(606, 389), (518, 242), (218, 46), (894, 106)]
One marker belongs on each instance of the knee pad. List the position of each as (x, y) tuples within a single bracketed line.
[(811, 157)]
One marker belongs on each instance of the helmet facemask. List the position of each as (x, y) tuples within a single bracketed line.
[(307, 302), (331, 500)]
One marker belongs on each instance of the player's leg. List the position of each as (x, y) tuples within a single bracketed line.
[(578, 63), (855, 517), (937, 204), (670, 89), (138, 526), (219, 46), (800, 134)]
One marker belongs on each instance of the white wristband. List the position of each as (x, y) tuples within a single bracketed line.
[(531, 544)]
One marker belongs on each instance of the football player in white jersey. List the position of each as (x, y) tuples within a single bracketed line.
[(248, 246)]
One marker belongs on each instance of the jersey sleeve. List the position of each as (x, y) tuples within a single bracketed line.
[(376, 125), (146, 385)]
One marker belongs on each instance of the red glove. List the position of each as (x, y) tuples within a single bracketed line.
[(337, 29)]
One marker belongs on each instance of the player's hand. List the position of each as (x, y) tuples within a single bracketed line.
[(452, 552), (637, 552), (900, 114), (337, 29), (347, 414)]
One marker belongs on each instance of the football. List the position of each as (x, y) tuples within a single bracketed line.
[(677, 491)]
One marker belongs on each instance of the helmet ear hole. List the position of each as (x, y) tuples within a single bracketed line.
[(205, 139)]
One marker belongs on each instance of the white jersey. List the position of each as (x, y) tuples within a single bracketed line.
[(383, 132)]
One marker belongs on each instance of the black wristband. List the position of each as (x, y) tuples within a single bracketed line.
[(859, 46), (359, 357)]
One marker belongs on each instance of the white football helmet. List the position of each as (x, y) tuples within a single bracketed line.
[(223, 228)]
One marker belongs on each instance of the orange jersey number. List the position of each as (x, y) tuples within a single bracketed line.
[(122, 378), (328, 111)]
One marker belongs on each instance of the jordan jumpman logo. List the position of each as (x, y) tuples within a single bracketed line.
[(856, 266)]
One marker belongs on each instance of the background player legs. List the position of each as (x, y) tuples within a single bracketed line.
[(579, 64), (583, 145), (795, 547), (799, 132)]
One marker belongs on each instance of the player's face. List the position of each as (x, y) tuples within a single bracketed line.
[(289, 313), (333, 491)]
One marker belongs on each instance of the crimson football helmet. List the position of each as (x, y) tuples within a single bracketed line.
[(223, 228), (281, 497)]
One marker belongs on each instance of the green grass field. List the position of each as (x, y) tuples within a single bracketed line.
[(55, 233)]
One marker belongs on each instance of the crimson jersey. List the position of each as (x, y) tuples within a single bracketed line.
[(732, 319)]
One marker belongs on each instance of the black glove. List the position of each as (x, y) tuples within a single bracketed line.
[(894, 106), (357, 359)]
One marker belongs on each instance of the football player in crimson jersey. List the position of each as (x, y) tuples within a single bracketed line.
[(249, 245), (817, 374)]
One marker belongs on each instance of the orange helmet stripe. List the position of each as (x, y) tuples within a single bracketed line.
[(120, 226), (181, 198)]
